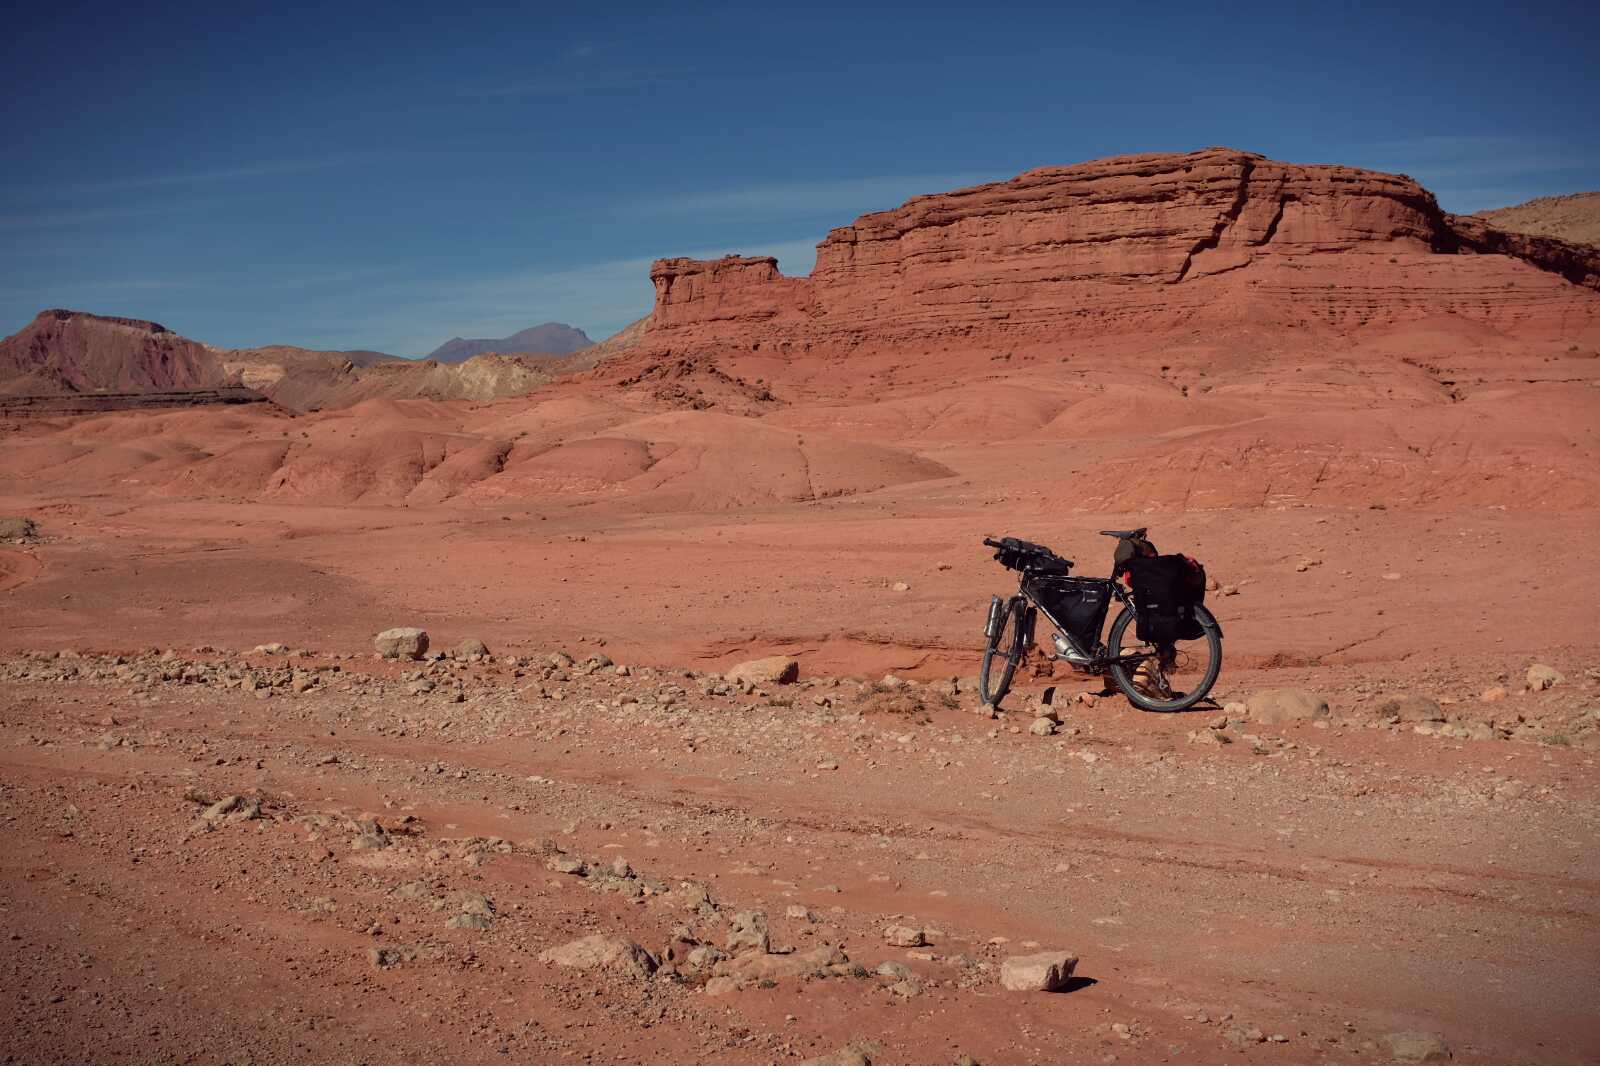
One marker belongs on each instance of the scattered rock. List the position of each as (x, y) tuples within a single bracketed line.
[(271, 649), (748, 932), (1412, 708), (900, 586), (1541, 677), (600, 952), (475, 903), (468, 921), (1278, 706), (1417, 1047), (773, 670), (471, 648), (1046, 971), (401, 643), (1042, 727), (904, 936), (843, 1057), (754, 966), (231, 809)]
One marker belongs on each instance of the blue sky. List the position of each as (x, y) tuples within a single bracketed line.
[(390, 175)]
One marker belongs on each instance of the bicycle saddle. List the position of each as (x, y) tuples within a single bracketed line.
[(1125, 534)]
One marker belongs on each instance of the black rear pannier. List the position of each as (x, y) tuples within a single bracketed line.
[(1166, 590), (1077, 604)]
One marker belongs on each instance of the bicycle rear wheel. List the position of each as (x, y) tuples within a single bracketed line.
[(1004, 652), (1172, 678)]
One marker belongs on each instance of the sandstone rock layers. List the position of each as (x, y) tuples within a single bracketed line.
[(1113, 244), (72, 352)]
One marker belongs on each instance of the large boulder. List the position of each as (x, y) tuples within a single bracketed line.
[(1047, 971), (773, 670), (1279, 706), (402, 643), (600, 952)]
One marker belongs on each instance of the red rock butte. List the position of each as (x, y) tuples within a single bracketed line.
[(1131, 243)]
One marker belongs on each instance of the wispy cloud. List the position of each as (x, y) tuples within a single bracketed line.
[(59, 219), (53, 293), (581, 82), (839, 197), (261, 168), (246, 171), (1469, 173)]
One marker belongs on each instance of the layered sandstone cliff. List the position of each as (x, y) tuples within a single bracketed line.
[(64, 352), (1118, 244)]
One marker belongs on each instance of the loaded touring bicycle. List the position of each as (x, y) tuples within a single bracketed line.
[(1163, 650)]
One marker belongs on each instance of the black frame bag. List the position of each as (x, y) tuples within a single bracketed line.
[(1076, 604)]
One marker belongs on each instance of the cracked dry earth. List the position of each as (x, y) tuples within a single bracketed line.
[(267, 858)]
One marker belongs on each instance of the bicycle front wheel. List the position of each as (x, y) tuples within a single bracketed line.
[(1004, 652), (1171, 678)]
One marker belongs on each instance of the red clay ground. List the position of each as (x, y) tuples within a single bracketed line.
[(1325, 885), (1364, 881)]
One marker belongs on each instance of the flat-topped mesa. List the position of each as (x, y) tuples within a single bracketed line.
[(731, 289), (64, 351), (1119, 244), (63, 314)]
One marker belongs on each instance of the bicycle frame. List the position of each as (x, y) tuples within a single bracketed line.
[(1100, 663)]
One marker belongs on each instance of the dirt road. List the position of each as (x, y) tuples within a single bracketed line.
[(1292, 893)]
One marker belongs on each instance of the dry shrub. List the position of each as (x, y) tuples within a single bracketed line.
[(901, 703)]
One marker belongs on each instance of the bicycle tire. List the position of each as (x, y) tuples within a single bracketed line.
[(1124, 679), (1013, 628)]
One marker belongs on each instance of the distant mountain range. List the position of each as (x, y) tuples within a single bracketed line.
[(552, 338), (79, 361)]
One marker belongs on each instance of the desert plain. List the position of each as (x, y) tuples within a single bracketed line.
[(579, 826)]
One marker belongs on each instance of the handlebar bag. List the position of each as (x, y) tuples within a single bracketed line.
[(1015, 554)]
